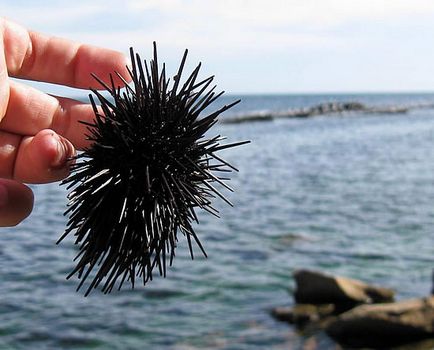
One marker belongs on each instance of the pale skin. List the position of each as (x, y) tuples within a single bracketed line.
[(40, 132)]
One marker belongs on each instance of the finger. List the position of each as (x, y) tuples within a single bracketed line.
[(43, 158), (30, 111), (35, 159), (36, 56), (4, 81), (68, 122), (16, 202)]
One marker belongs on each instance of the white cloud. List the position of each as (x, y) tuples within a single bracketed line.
[(43, 15), (226, 26), (250, 26), (287, 12), (287, 34)]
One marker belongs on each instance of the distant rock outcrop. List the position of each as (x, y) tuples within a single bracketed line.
[(358, 315), (321, 109), (303, 315), (314, 287), (384, 325)]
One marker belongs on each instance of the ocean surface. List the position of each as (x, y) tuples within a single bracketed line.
[(349, 194)]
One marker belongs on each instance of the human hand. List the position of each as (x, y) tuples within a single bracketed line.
[(40, 132)]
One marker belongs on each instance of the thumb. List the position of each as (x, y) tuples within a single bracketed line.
[(16, 202)]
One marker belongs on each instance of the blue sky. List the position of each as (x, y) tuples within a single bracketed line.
[(267, 46)]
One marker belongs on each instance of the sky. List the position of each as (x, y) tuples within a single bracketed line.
[(252, 46)]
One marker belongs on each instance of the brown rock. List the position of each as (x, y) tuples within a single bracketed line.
[(318, 288), (303, 314), (383, 325)]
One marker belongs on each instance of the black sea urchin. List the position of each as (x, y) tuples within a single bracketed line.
[(148, 168)]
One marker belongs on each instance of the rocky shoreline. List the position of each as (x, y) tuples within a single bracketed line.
[(356, 314), (328, 108)]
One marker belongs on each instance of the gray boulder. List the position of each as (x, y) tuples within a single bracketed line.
[(384, 325), (318, 288)]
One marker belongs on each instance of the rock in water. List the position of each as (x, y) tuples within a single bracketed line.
[(304, 314), (317, 288), (383, 325)]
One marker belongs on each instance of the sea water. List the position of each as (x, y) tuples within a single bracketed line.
[(349, 194)]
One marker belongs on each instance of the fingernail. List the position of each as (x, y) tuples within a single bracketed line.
[(4, 196), (65, 150)]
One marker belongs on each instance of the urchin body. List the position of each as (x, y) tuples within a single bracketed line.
[(148, 168)]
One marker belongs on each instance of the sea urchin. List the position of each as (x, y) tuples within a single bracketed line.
[(148, 168)]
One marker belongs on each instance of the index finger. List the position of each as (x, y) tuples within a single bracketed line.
[(36, 56)]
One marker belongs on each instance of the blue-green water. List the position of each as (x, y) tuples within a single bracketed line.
[(352, 195)]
